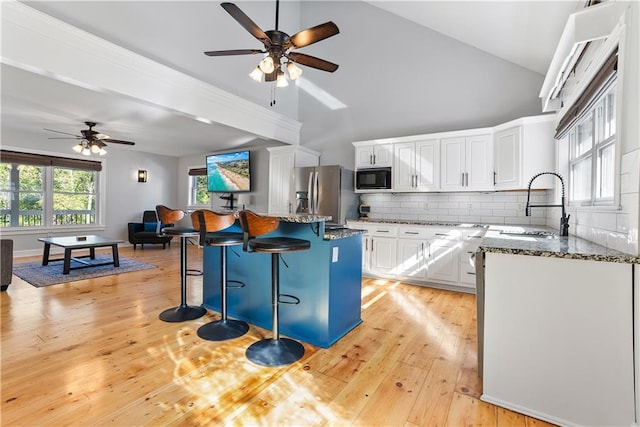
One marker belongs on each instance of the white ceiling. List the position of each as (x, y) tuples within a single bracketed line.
[(523, 32)]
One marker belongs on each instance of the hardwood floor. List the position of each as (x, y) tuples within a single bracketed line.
[(94, 352)]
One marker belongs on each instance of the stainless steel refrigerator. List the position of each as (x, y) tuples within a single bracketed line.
[(326, 190)]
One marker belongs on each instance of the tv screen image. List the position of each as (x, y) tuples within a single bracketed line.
[(229, 172)]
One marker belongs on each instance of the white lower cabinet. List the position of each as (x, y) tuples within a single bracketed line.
[(420, 254), (443, 260), (378, 249)]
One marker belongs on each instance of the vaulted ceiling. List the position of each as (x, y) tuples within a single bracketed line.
[(175, 33)]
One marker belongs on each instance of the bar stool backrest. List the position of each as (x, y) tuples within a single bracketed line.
[(212, 221), (169, 216), (254, 225)]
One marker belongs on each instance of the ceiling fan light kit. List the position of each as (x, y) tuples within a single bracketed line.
[(278, 48), (90, 141)]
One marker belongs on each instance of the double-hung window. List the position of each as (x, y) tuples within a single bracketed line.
[(590, 127), (46, 191), (198, 193), (592, 153)]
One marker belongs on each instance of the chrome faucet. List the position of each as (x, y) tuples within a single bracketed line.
[(564, 220)]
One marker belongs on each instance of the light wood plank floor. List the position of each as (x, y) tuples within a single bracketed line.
[(94, 352)]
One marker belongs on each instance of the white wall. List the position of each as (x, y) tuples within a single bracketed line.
[(409, 80), (125, 200)]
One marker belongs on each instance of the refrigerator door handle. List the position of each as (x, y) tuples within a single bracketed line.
[(310, 192), (316, 196)]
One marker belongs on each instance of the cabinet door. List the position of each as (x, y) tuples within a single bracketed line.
[(443, 260), (364, 156), (453, 163), (280, 182), (383, 255), (383, 155), (479, 163), (404, 164), (427, 160), (366, 253), (506, 158), (411, 262)]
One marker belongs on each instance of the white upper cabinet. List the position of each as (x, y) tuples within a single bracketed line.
[(467, 163), (521, 149), (374, 155), (416, 165)]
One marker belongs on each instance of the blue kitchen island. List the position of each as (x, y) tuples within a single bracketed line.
[(327, 279)]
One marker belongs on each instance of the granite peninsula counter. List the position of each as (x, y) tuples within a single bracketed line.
[(327, 278)]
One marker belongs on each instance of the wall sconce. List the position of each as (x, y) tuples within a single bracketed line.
[(142, 175)]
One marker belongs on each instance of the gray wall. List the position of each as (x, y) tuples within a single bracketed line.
[(409, 80), (125, 197)]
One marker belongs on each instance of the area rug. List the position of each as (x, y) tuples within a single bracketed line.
[(45, 275)]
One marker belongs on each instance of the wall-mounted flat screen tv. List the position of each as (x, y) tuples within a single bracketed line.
[(229, 172)]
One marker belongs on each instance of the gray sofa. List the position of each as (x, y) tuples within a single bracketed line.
[(6, 263)]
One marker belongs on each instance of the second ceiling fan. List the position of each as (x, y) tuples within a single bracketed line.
[(278, 45)]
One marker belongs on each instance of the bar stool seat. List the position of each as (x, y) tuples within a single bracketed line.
[(275, 351), (209, 224)]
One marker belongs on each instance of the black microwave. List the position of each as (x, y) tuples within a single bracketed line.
[(373, 179)]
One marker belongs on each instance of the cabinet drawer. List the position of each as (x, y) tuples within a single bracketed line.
[(415, 232), (383, 230)]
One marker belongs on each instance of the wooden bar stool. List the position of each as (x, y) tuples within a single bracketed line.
[(210, 225), (273, 351), (183, 312)]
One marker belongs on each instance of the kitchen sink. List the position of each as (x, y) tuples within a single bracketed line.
[(531, 233)]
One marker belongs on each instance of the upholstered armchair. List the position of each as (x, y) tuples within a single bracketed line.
[(147, 231)]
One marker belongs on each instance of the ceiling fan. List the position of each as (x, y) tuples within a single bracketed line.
[(91, 141), (278, 45)]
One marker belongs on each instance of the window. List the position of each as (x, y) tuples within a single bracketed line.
[(592, 152), (74, 196), (47, 191), (198, 193)]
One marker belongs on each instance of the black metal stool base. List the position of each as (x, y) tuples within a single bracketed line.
[(271, 352), (222, 330), (182, 313)]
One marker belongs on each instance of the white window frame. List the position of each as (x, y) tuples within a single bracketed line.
[(599, 142), (192, 194), (101, 180)]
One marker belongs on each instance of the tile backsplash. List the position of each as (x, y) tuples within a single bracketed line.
[(607, 228), (488, 208)]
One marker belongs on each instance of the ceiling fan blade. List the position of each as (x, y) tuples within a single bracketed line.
[(77, 137), (64, 133), (234, 52), (247, 23), (312, 61), (117, 141), (311, 35)]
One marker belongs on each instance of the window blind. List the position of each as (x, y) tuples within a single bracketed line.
[(7, 156), (197, 171), (590, 95)]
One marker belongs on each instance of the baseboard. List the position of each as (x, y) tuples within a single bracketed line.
[(527, 411)]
